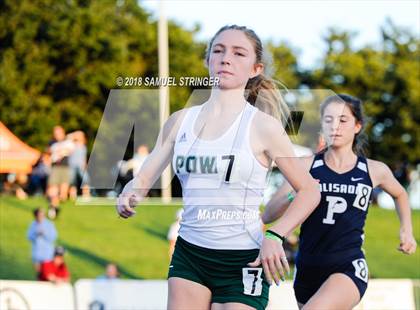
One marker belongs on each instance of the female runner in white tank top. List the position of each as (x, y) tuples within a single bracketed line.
[(221, 151)]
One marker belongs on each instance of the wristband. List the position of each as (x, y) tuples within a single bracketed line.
[(274, 236), (269, 236), (290, 196)]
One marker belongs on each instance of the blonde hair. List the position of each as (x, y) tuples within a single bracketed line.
[(261, 91)]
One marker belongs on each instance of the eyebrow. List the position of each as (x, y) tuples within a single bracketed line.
[(235, 47), (342, 115)]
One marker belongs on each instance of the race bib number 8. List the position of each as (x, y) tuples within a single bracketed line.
[(362, 199), (251, 278), (361, 269)]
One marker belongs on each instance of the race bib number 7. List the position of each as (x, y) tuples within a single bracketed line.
[(251, 278)]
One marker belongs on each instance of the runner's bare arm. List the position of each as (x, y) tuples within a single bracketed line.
[(152, 168), (280, 201), (382, 176), (279, 148)]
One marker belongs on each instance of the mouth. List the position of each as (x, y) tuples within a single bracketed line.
[(224, 72), (335, 136)]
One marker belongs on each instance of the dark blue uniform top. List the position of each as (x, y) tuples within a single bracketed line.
[(335, 229)]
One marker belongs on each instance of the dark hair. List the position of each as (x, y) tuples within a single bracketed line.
[(36, 211), (355, 106), (261, 86), (59, 251)]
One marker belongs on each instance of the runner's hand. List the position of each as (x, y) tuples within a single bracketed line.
[(128, 200), (407, 242), (273, 259)]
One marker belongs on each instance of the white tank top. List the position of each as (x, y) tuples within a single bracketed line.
[(222, 185)]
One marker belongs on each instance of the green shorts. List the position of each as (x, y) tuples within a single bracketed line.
[(224, 272)]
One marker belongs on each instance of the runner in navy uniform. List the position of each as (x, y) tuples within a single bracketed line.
[(331, 271)]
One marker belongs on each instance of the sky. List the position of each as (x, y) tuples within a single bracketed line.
[(299, 23)]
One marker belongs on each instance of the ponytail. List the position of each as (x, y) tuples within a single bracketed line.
[(263, 93)]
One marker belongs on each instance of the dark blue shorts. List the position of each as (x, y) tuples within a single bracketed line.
[(309, 277)]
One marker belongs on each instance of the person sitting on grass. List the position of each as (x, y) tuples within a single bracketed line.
[(55, 271)]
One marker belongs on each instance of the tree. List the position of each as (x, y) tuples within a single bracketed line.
[(285, 64), (59, 60), (387, 79)]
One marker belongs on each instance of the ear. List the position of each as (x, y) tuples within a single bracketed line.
[(358, 127), (257, 70)]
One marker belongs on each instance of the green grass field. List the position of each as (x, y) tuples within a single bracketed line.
[(94, 235)]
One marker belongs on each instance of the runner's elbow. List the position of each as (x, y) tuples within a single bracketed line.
[(313, 193)]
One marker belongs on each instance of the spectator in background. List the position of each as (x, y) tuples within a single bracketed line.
[(42, 234), (16, 185), (39, 176), (58, 182), (123, 175), (138, 159), (111, 272), (55, 270), (125, 170), (77, 162), (173, 232)]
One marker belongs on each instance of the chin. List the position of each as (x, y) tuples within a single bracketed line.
[(338, 145), (223, 86), (228, 86)]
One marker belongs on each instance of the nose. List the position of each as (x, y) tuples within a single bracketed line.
[(335, 126), (226, 60), (332, 127)]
